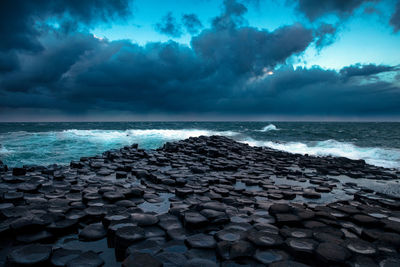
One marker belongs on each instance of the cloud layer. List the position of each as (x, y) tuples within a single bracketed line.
[(230, 69)]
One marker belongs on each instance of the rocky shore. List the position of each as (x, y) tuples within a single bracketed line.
[(206, 201)]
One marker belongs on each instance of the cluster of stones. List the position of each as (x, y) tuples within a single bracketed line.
[(224, 209)]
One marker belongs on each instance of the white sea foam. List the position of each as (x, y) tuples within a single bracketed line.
[(163, 134), (4, 150), (389, 158), (269, 127)]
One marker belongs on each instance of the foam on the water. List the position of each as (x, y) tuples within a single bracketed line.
[(389, 158)]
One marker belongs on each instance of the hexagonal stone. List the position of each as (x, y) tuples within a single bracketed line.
[(211, 214), (183, 192), (201, 241), (230, 235), (332, 253), (96, 212), (13, 196), (29, 255), (365, 220), (361, 247), (287, 219), (114, 218), (146, 246), (195, 220), (62, 256), (113, 196), (153, 231), (296, 232), (126, 236), (301, 246), (169, 223), (177, 233), (175, 246), (144, 219), (138, 259), (264, 239), (311, 194), (268, 256), (171, 259), (198, 262), (86, 259), (279, 208), (93, 232), (214, 205), (241, 249), (41, 236), (287, 263)]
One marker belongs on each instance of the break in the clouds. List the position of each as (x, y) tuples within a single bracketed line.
[(230, 68)]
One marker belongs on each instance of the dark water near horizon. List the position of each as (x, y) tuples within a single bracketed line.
[(60, 142)]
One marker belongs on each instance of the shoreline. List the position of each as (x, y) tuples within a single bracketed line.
[(204, 200)]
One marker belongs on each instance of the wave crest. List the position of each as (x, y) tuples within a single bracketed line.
[(269, 127)]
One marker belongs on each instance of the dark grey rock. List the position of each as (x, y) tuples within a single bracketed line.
[(86, 259), (93, 232), (30, 255), (201, 241)]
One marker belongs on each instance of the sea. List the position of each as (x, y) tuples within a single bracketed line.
[(46, 143)]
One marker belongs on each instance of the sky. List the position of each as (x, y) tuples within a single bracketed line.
[(72, 60)]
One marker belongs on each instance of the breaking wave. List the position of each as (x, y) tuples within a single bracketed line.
[(141, 135), (383, 157), (269, 127)]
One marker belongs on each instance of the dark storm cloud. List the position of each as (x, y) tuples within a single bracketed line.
[(365, 70), (44, 69), (192, 23), (315, 9), (19, 18), (169, 26), (230, 69), (248, 49), (325, 35), (395, 19), (232, 15)]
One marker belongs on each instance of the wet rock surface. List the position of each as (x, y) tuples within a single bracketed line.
[(206, 201)]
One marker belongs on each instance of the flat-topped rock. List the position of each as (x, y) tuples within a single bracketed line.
[(30, 255)]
